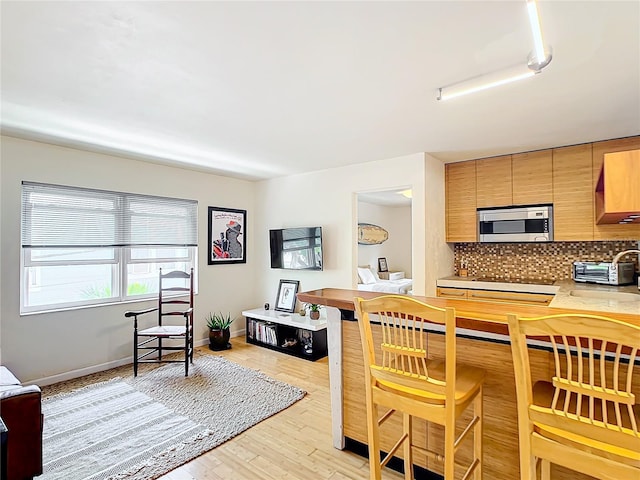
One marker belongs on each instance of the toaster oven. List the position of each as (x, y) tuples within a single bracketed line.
[(602, 272)]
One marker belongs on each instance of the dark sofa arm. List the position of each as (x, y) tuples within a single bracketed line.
[(21, 411)]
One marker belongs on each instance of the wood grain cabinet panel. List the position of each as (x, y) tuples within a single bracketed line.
[(460, 184), (493, 180), (449, 292), (573, 193), (565, 176), (495, 296), (532, 177), (510, 297), (600, 149)]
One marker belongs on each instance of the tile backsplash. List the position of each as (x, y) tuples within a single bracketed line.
[(541, 261)]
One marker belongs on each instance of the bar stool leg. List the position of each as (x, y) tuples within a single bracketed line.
[(449, 440), (477, 435), (545, 470), (375, 470), (406, 446), (527, 462)]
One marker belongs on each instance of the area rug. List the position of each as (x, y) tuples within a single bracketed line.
[(140, 428)]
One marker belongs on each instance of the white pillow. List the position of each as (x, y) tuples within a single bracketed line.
[(365, 267), (366, 276)]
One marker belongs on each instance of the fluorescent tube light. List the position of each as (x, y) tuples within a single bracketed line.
[(536, 61), (536, 31), (484, 82)]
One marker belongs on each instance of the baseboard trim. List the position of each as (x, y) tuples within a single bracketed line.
[(81, 372), (395, 463)]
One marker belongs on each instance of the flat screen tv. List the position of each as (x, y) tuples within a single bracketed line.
[(296, 248)]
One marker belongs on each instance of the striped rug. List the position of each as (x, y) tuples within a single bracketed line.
[(141, 428)]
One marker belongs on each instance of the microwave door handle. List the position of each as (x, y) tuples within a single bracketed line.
[(496, 217)]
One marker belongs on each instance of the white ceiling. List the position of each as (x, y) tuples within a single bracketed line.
[(387, 198), (263, 89)]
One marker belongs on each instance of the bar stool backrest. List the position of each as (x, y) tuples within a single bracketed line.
[(402, 355), (588, 396)]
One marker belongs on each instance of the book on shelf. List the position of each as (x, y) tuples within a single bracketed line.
[(264, 332)]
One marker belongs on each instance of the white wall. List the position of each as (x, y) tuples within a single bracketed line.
[(397, 249), (70, 343), (438, 255), (328, 198), (48, 344)]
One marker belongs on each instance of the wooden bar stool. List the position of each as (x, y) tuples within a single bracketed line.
[(400, 376), (586, 418)]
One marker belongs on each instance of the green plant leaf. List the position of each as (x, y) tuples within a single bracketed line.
[(312, 307), (219, 321)]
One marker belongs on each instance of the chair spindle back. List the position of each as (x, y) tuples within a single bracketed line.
[(594, 359)]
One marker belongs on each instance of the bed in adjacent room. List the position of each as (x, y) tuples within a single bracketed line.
[(368, 281)]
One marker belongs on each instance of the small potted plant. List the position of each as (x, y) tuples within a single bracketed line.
[(219, 333), (314, 310)]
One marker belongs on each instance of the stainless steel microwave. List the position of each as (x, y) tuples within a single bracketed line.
[(516, 224)]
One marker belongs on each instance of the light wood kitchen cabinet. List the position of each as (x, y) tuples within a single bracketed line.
[(618, 187), (510, 297), (493, 182), (449, 292), (565, 177), (532, 176), (495, 296), (600, 149), (573, 206), (460, 184)]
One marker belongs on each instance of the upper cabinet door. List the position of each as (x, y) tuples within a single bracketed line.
[(573, 207), (565, 176), (493, 177), (532, 174), (600, 149), (461, 202)]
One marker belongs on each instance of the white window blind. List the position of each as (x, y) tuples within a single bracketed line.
[(57, 216), (85, 247)]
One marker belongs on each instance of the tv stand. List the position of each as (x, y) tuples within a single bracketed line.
[(289, 333)]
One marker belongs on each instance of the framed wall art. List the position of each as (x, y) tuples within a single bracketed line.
[(286, 298), (227, 236), (382, 264)]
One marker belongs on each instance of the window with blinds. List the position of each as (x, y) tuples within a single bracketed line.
[(85, 247)]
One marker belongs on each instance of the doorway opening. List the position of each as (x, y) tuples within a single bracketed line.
[(385, 232)]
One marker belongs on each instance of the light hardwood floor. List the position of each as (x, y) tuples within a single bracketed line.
[(294, 444)]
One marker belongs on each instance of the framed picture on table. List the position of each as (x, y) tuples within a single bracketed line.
[(382, 264), (286, 298)]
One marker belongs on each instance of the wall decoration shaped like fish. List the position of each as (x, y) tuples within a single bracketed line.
[(369, 234)]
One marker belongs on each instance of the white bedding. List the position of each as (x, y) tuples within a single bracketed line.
[(402, 286)]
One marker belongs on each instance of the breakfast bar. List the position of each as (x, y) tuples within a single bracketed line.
[(481, 328)]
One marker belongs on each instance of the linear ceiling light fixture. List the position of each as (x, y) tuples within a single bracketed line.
[(536, 61), (536, 30)]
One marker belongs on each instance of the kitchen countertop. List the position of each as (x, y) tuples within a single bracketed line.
[(483, 335), (564, 291)]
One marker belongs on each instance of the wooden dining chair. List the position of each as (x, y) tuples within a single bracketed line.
[(173, 287), (400, 376), (586, 418)]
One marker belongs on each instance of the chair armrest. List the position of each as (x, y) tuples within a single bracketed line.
[(18, 390), (188, 312), (135, 313), (22, 414)]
